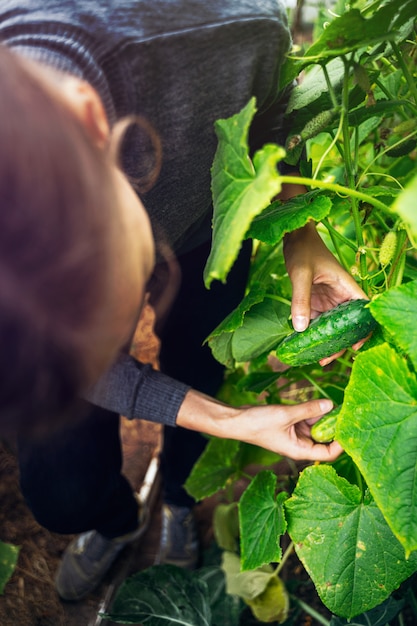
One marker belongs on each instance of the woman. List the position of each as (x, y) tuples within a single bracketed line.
[(78, 251)]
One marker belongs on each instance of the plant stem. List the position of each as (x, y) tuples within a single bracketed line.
[(336, 188), (336, 246), (308, 609), (351, 176), (285, 558), (342, 238), (330, 87), (409, 78), (334, 142), (272, 296), (315, 385)]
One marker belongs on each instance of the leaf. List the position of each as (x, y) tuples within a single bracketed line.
[(231, 393), (260, 589), (314, 85), (271, 605), (8, 559), (250, 454), (377, 428), (264, 325), (162, 595), (246, 585), (220, 340), (278, 219), (344, 543), (217, 464), (241, 189), (395, 310), (405, 205), (226, 526), (262, 521), (225, 608), (352, 31)]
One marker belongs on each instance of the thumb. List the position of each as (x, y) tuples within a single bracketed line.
[(301, 279)]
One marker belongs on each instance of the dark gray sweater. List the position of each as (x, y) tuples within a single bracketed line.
[(181, 64)]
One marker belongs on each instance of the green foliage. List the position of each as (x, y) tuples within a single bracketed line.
[(261, 521), (241, 187), (167, 595), (261, 589), (342, 539), (8, 559), (354, 525)]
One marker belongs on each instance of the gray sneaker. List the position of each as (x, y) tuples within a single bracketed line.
[(88, 558), (179, 543)]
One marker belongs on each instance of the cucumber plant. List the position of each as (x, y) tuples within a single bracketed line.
[(353, 523)]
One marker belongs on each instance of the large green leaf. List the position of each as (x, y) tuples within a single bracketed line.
[(377, 428), (262, 522), (162, 595), (8, 559), (220, 340), (278, 219), (263, 328), (217, 464), (241, 189), (395, 310), (344, 542)]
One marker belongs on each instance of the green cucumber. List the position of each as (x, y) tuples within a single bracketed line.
[(403, 148), (323, 431), (327, 334), (388, 248)]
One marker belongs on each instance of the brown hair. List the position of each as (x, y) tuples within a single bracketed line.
[(55, 221)]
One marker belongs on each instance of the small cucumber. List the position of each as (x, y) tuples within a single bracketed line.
[(323, 431), (328, 333), (402, 148), (388, 248)]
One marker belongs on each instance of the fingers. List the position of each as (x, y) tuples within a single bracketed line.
[(304, 448), (308, 410), (301, 279), (332, 357), (324, 452)]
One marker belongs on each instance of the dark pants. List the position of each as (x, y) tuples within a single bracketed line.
[(72, 479)]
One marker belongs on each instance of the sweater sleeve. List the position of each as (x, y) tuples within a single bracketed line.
[(136, 390)]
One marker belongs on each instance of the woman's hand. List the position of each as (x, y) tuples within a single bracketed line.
[(319, 282), (282, 429)]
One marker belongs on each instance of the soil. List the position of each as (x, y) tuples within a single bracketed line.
[(30, 598)]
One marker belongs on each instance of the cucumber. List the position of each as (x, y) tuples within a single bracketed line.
[(328, 333), (402, 148), (388, 248), (323, 430)]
